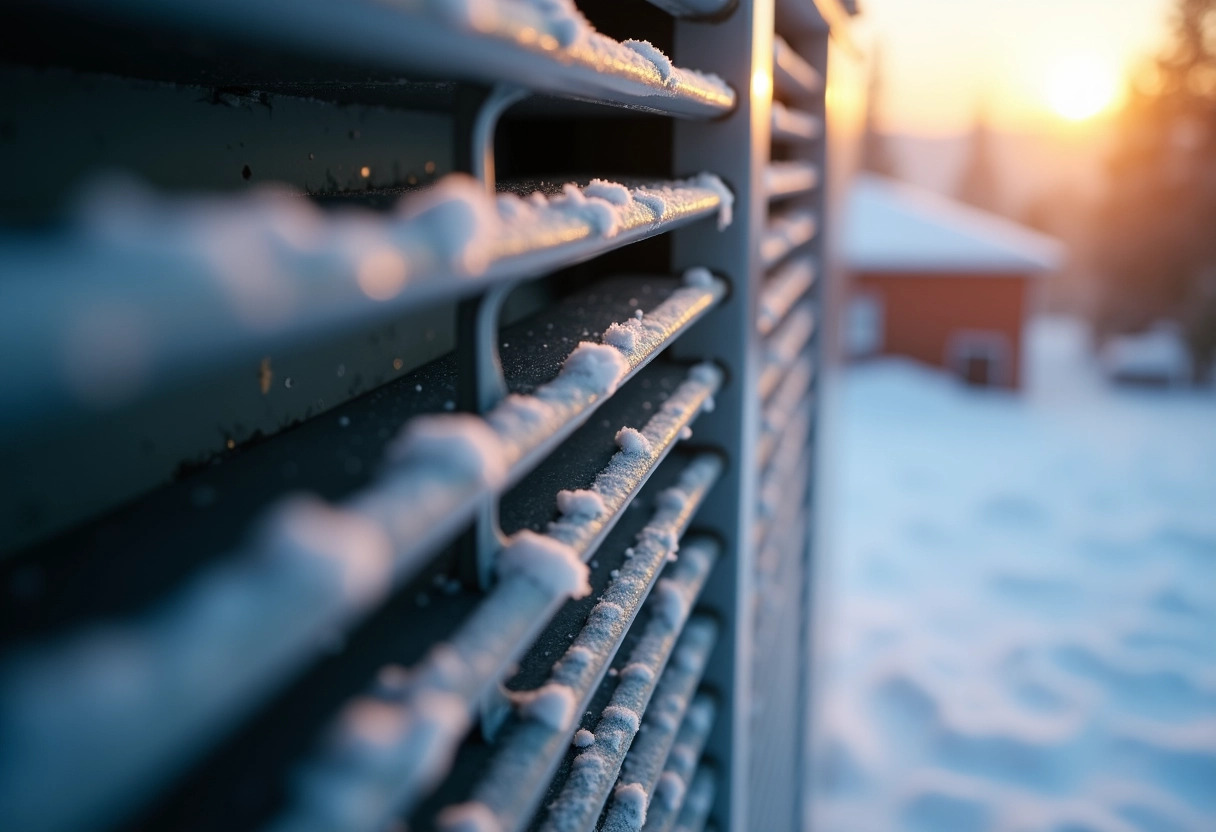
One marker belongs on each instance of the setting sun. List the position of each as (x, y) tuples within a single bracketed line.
[(1081, 86)]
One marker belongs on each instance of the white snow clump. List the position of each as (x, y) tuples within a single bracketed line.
[(632, 442), (469, 817), (552, 704), (580, 503), (458, 442), (456, 216), (612, 192), (549, 563), (349, 549), (698, 276), (598, 368), (631, 797), (712, 182), (653, 54)]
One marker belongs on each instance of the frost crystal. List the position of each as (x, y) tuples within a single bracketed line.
[(457, 217), (653, 201), (574, 194), (622, 336), (683, 757), (670, 603), (354, 550), (726, 209), (589, 761), (469, 817), (653, 54), (599, 213), (638, 671), (605, 613), (548, 562), (632, 800), (527, 409), (460, 443), (610, 191), (631, 441), (687, 659), (391, 681), (706, 373), (698, 276), (699, 719), (552, 705), (580, 503), (670, 790), (598, 368), (577, 658), (672, 499), (615, 713), (602, 216)]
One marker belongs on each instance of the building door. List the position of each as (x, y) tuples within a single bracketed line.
[(980, 358), (977, 370), (864, 325)]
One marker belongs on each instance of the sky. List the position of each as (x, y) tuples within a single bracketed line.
[(1020, 60)]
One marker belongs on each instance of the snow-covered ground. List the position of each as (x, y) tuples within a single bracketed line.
[(1019, 622)]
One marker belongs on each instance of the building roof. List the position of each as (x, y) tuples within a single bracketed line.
[(894, 227)]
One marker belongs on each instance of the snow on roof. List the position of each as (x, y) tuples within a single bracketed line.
[(895, 227)]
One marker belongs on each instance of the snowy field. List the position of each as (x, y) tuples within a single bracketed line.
[(1019, 626)]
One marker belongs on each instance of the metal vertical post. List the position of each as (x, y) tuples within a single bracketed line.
[(736, 147), (481, 382), (814, 48)]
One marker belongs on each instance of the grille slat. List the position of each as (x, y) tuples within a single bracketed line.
[(791, 125), (786, 233), (695, 8), (783, 180), (567, 409), (501, 41), (792, 75), (797, 19), (782, 290)]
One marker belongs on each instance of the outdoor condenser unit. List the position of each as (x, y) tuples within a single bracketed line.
[(407, 412)]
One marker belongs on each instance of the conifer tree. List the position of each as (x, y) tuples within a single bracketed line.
[(1157, 226), (978, 185)]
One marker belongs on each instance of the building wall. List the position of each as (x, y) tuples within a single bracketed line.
[(927, 316)]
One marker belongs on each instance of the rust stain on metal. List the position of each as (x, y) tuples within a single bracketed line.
[(265, 376)]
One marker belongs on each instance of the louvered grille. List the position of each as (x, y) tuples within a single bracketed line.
[(432, 487)]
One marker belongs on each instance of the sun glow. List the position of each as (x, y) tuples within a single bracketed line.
[(1081, 86)]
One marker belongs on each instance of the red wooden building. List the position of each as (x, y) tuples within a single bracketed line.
[(939, 281)]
